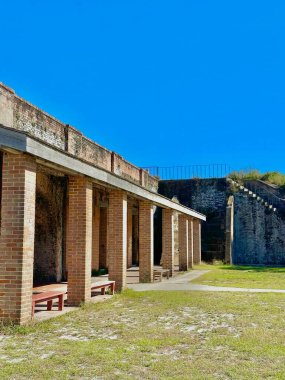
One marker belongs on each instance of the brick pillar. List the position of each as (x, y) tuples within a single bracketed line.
[(167, 240), (130, 236), (183, 242), (117, 238), (17, 238), (196, 241), (146, 241), (79, 240), (95, 233), (190, 243)]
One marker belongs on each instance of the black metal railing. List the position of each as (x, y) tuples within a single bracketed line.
[(190, 171)]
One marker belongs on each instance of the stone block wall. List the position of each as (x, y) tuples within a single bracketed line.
[(208, 196), (259, 233)]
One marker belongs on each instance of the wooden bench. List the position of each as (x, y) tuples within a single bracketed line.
[(103, 285), (49, 297), (158, 273)]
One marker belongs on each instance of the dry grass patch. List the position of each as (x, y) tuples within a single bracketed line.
[(154, 335)]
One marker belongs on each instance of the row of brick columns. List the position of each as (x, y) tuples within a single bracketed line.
[(18, 228), (189, 237)]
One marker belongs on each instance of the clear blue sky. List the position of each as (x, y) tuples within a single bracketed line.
[(162, 82)]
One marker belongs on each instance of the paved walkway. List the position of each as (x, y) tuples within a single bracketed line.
[(182, 282)]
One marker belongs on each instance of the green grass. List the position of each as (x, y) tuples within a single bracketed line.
[(276, 178), (154, 335), (242, 276)]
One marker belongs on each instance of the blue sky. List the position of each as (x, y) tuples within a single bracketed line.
[(161, 82)]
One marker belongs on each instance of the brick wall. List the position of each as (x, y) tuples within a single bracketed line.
[(125, 169), (6, 106), (39, 124), (49, 228), (19, 114)]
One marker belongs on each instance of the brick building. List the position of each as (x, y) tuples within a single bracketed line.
[(68, 206)]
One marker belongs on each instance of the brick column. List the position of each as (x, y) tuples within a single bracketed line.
[(79, 240), (196, 241), (95, 233), (190, 243), (146, 241), (117, 238), (167, 240), (130, 236), (183, 242), (17, 237)]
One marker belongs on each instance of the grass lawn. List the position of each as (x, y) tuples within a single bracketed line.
[(242, 276), (154, 335)]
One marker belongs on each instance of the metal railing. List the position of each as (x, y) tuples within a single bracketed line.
[(190, 171)]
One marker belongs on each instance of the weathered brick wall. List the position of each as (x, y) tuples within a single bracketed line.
[(125, 169), (19, 114), (32, 120), (6, 106), (87, 150), (49, 228), (259, 234)]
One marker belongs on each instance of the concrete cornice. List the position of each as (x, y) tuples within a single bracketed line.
[(17, 141)]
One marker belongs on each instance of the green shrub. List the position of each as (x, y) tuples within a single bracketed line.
[(246, 175), (99, 272), (275, 178)]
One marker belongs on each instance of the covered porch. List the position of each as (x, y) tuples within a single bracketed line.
[(62, 220)]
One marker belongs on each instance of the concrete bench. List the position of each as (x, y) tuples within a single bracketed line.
[(103, 285), (49, 297)]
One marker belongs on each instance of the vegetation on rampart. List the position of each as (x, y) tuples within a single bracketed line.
[(275, 177)]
